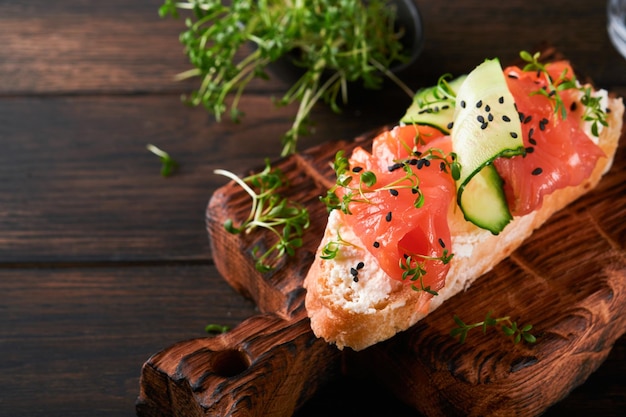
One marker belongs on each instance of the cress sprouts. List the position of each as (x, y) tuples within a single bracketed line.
[(554, 86), (594, 112), (414, 269), (335, 43), (168, 164), (507, 326), (286, 220)]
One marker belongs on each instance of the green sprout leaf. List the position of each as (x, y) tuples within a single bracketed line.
[(286, 220), (508, 327), (168, 165)]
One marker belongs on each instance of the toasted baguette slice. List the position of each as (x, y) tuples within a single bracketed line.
[(360, 314)]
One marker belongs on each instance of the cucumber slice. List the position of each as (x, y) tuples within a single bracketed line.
[(483, 201), (434, 106), (486, 126)]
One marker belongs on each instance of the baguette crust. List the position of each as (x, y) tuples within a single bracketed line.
[(360, 314)]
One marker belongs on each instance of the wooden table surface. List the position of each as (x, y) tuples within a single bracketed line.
[(103, 262)]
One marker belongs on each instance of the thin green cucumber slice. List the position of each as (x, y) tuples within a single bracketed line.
[(434, 106), (484, 202), (486, 126)]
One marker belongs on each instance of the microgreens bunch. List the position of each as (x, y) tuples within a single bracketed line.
[(285, 219), (414, 269), (554, 86), (333, 42), (508, 327), (594, 112)]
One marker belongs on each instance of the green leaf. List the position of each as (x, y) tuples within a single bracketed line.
[(368, 178)]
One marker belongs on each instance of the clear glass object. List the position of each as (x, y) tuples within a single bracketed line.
[(616, 24)]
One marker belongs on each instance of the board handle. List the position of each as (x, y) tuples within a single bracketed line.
[(266, 366)]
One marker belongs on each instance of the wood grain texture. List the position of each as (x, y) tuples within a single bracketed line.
[(73, 338), (257, 369)]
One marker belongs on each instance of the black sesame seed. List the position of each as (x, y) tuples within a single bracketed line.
[(445, 107), (487, 108), (537, 171), (413, 161), (388, 217), (527, 119), (532, 141), (442, 243), (607, 110), (426, 162), (513, 135), (357, 169), (506, 118), (480, 118), (462, 104), (442, 166), (355, 278), (542, 123), (490, 117), (521, 116), (450, 125), (395, 166), (573, 106), (479, 103), (354, 272), (393, 192), (530, 149), (484, 126), (414, 190), (501, 100), (530, 136), (360, 265), (376, 245)]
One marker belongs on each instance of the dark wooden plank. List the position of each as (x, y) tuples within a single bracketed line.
[(72, 340), (79, 184), (77, 46)]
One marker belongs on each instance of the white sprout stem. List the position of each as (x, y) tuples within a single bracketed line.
[(243, 185)]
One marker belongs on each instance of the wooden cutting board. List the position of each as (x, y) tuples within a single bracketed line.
[(568, 279)]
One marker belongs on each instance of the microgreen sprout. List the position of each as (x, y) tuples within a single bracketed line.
[(331, 249), (414, 269), (168, 165), (269, 210), (593, 111), (335, 43), (507, 326), (554, 86), (441, 93), (215, 329)]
